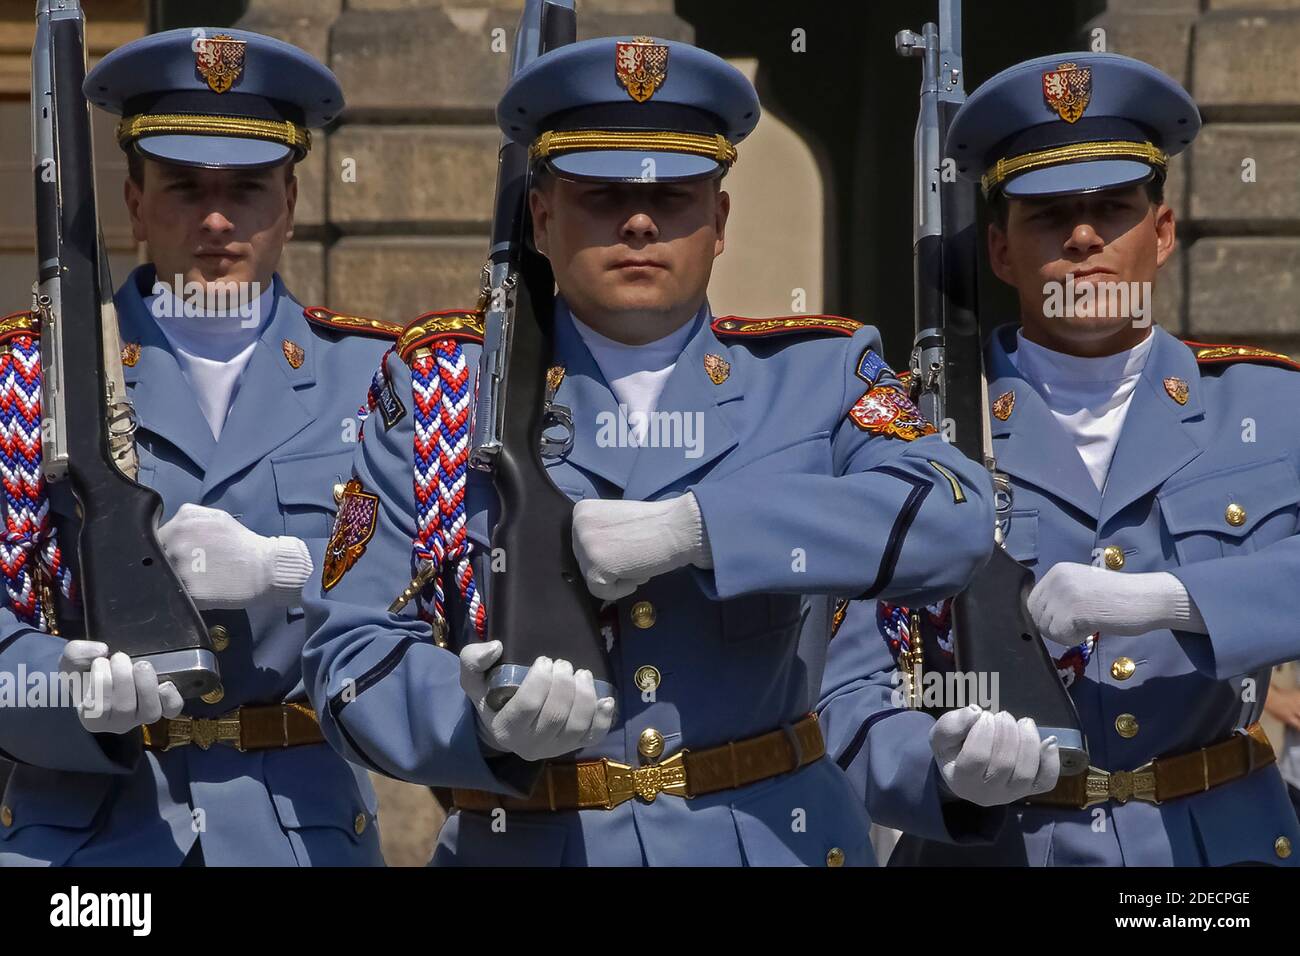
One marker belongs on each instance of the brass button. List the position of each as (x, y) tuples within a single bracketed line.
[(1126, 725), (339, 488), (646, 678), (1281, 846), (220, 638), (834, 856), (359, 824), (651, 744), (1122, 668), (1114, 557), (214, 696), (1235, 515), (7, 818), (643, 614)]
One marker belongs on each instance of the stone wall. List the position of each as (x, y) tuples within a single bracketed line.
[(1236, 192)]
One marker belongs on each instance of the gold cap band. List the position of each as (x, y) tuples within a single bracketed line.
[(290, 134), (556, 142), (1003, 169)]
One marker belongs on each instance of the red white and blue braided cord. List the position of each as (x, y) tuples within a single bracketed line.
[(30, 545), (443, 401)]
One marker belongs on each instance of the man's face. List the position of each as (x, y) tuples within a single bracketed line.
[(213, 225), (632, 259), (1104, 240)]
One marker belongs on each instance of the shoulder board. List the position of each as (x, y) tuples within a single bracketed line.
[(18, 323), (465, 325), (356, 324), (1207, 354), (733, 326)]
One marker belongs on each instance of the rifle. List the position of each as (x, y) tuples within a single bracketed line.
[(992, 631), (132, 599), (539, 601)]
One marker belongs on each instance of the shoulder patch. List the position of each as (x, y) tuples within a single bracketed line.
[(887, 411), (734, 326), (1207, 354), (18, 323), (465, 325), (355, 324)]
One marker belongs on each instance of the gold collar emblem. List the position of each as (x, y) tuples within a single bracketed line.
[(1003, 405), (293, 352), (1177, 390), (719, 369)]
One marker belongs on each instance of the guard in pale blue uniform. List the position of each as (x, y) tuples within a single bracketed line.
[(1166, 579), (243, 776), (815, 476)]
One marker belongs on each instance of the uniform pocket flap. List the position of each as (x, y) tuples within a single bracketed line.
[(312, 786), (1206, 503), (310, 479), (39, 797)]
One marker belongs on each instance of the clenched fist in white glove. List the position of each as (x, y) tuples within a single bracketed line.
[(620, 545), (224, 565), (993, 759), (119, 696), (1072, 601), (554, 712)]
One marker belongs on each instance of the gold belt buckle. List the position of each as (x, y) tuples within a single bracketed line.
[(624, 782), (203, 732), (1121, 785)]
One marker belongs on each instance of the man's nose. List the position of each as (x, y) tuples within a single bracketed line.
[(641, 226), (216, 221), (1084, 238)]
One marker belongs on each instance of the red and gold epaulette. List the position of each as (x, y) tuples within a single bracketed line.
[(465, 325), (356, 324), (18, 323), (1207, 354), (734, 325)]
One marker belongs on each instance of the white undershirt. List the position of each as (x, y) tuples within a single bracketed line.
[(213, 351), (636, 373), (1088, 396)]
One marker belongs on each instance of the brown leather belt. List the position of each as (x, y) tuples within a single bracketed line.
[(605, 784), (248, 728), (1166, 778)]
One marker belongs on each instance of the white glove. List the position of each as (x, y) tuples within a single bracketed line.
[(224, 565), (993, 759), (1072, 601), (620, 545), (554, 712), (119, 696)]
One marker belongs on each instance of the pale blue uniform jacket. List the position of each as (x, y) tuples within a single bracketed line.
[(100, 799), (1175, 470), (799, 503)]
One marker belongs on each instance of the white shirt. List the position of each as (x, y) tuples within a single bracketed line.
[(212, 350), (636, 373), (1089, 397)]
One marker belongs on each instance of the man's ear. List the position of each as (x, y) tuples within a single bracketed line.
[(134, 197), (721, 211), (1166, 233), (541, 215), (1000, 253), (291, 202)]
